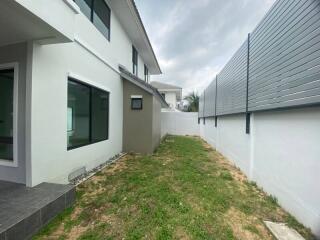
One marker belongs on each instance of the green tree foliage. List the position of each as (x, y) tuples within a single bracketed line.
[(193, 100)]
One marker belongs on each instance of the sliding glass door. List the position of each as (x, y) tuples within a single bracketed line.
[(6, 114)]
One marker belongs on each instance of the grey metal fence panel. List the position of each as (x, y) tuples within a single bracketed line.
[(210, 100), (284, 66), (201, 106), (284, 69), (231, 92)]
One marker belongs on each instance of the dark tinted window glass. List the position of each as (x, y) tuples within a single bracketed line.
[(87, 114), (100, 106), (136, 103), (78, 114), (134, 61), (6, 114), (146, 73), (101, 17), (98, 12), (85, 7)]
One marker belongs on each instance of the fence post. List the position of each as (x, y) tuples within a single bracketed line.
[(247, 92), (216, 103)]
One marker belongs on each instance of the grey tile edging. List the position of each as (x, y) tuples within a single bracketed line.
[(31, 224)]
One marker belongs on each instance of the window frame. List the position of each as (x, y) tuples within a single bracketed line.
[(136, 98), (91, 19), (15, 67), (91, 87)]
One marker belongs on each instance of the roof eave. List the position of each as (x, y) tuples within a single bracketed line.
[(155, 69), (125, 74)]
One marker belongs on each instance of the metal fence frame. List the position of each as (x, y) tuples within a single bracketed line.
[(277, 67)]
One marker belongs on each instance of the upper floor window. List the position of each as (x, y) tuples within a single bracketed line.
[(98, 12), (134, 61), (146, 73)]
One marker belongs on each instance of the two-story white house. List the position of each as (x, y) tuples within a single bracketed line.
[(171, 93), (61, 93)]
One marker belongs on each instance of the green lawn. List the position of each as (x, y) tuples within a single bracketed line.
[(186, 190)]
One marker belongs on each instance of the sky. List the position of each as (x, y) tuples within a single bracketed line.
[(194, 39)]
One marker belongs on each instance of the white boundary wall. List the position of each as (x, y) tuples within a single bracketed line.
[(179, 123), (281, 154)]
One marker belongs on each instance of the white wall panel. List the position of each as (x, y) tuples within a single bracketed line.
[(94, 60), (179, 123), (281, 154)]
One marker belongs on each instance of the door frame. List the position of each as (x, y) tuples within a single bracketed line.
[(15, 67)]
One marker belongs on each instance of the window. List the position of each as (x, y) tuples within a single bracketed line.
[(136, 103), (88, 114), (85, 7), (134, 61), (6, 114), (248, 123), (99, 115), (163, 96), (146, 73), (70, 119), (98, 12)]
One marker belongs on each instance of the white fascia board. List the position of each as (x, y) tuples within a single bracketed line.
[(136, 96)]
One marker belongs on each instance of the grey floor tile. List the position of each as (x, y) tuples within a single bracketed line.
[(23, 210)]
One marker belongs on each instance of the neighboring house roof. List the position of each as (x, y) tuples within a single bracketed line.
[(160, 85), (129, 17), (164, 87), (125, 74)]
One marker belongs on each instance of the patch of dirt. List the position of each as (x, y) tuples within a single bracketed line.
[(57, 233), (167, 160), (96, 179), (118, 166), (181, 234), (225, 163), (77, 231), (116, 225), (76, 213), (195, 203), (207, 147), (238, 221), (235, 172), (74, 233)]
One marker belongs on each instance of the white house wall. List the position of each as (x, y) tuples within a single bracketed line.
[(48, 11), (91, 59), (140, 67), (50, 159), (281, 154), (171, 98)]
